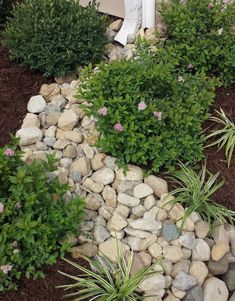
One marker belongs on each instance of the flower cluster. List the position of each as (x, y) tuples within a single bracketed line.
[(9, 152), (6, 268)]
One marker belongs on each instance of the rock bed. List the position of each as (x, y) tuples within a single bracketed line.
[(197, 265)]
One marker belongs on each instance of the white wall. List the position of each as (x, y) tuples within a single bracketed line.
[(111, 7)]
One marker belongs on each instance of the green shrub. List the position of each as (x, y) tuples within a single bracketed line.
[(55, 36), (34, 218), (202, 34), (5, 9), (140, 136)]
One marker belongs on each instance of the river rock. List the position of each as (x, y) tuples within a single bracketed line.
[(201, 251), (170, 231), (184, 281), (219, 250), (110, 197), (215, 289), (82, 165), (31, 121), (134, 173), (218, 267), (188, 240), (36, 104), (74, 136), (109, 248), (155, 282), (146, 224), (155, 250), (128, 200), (117, 222), (97, 161), (68, 120), (229, 277), (201, 229), (101, 234), (88, 249), (104, 176), (29, 136), (199, 271), (173, 253), (194, 294), (142, 190), (93, 201), (158, 185)]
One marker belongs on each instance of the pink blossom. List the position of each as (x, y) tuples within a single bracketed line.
[(190, 66), (1, 207), (118, 127), (6, 268), (103, 111), (142, 106), (18, 205), (158, 115), (14, 244), (210, 5), (9, 152)]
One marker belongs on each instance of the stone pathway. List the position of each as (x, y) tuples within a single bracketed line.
[(131, 207)]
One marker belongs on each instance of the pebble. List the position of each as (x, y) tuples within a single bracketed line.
[(188, 240), (29, 136), (170, 231), (155, 282), (158, 185), (101, 234), (104, 176), (146, 224), (142, 190), (201, 229), (201, 251), (97, 161), (215, 289), (110, 196), (199, 271), (117, 222), (81, 165), (219, 250), (194, 294), (147, 242), (68, 120), (155, 250), (229, 277), (109, 248), (128, 200), (36, 104), (173, 253)]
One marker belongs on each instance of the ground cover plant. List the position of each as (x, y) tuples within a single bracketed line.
[(225, 135), (5, 9), (195, 193), (113, 282), (201, 34), (55, 36), (34, 218), (147, 113)]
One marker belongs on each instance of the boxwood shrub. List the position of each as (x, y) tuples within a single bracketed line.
[(34, 217), (146, 112), (201, 34), (55, 36)]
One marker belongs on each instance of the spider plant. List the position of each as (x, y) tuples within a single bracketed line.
[(225, 136), (195, 191), (110, 282)]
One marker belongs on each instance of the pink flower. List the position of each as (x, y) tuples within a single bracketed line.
[(6, 268), (18, 205), (9, 152), (118, 127), (103, 111), (158, 115), (142, 106), (14, 244), (1, 207), (190, 66), (210, 5)]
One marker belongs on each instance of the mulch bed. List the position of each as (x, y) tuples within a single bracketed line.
[(17, 85)]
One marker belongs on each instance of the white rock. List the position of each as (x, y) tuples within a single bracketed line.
[(146, 224), (155, 250), (215, 289), (201, 251), (142, 190), (188, 240), (184, 281), (148, 241), (173, 253), (128, 200), (36, 104), (134, 173), (149, 202), (158, 185), (101, 234), (74, 136), (136, 233), (155, 282), (110, 197), (50, 132), (182, 265), (133, 242), (117, 222), (68, 120), (29, 136), (97, 161), (31, 121), (109, 248), (104, 176)]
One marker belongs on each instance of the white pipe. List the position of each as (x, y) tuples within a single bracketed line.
[(148, 13)]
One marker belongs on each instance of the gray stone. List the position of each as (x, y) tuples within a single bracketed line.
[(36, 104), (155, 283), (229, 277), (194, 294), (146, 224), (136, 233), (201, 251), (232, 298), (218, 267), (170, 231), (184, 281), (29, 136), (142, 190), (101, 234), (128, 200), (104, 176), (133, 242), (76, 176), (138, 210), (215, 289), (58, 101), (188, 240), (49, 141)]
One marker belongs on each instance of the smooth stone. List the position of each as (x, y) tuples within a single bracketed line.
[(128, 200), (52, 118), (232, 298), (136, 233), (101, 234), (137, 263), (31, 121), (81, 165), (173, 253), (182, 265), (142, 190), (186, 225), (153, 283), (155, 250), (68, 120), (219, 250), (138, 210), (29, 136), (158, 185), (74, 136), (146, 224), (184, 281), (88, 249), (215, 289), (123, 210), (220, 234), (49, 91), (188, 240), (93, 186), (149, 202), (93, 201), (58, 101), (104, 176), (229, 277), (146, 258), (170, 231), (97, 162), (147, 242), (110, 197), (133, 242), (76, 176), (194, 294), (41, 145), (109, 248), (171, 297), (201, 251), (177, 212), (218, 267), (134, 173), (201, 229), (178, 293), (116, 25), (49, 141), (199, 271), (36, 104), (70, 151), (106, 212), (117, 222)]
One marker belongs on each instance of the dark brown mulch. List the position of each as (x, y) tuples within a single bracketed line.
[(45, 289), (17, 85), (225, 99)]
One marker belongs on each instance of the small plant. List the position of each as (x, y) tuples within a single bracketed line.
[(225, 135), (195, 191), (34, 218), (201, 34), (5, 10), (147, 113), (55, 36), (113, 282)]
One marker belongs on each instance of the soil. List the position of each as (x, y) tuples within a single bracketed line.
[(17, 85)]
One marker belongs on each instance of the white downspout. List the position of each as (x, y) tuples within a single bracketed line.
[(137, 13)]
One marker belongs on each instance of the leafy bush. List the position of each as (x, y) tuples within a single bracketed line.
[(34, 218), (202, 34), (146, 113), (195, 191), (55, 36), (225, 135), (5, 9), (113, 282)]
